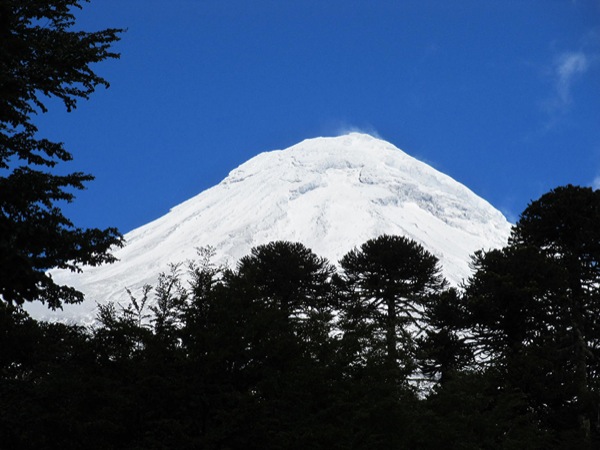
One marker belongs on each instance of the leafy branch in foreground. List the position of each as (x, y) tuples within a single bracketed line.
[(42, 57)]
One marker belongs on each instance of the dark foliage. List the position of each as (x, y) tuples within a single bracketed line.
[(533, 310), (42, 57), (283, 353), (388, 281)]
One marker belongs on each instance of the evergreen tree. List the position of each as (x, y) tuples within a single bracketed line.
[(442, 349), (533, 310), (511, 301), (390, 278), (288, 277), (41, 56), (287, 300), (385, 287), (516, 326), (563, 224)]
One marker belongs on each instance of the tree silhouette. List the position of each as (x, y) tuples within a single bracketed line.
[(563, 224), (42, 57), (391, 276)]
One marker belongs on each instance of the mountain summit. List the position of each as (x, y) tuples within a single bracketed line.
[(331, 194)]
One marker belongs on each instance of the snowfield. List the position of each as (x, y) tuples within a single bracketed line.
[(331, 194)]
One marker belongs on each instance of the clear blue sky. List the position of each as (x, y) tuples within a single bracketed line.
[(502, 95)]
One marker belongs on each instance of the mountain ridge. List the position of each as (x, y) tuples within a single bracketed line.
[(330, 193)]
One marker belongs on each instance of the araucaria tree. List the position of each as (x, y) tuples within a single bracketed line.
[(41, 57), (391, 278), (564, 225), (533, 311)]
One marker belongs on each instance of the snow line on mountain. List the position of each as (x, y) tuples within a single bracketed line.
[(331, 194)]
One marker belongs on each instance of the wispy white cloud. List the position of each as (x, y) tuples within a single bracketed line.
[(564, 74), (345, 128), (567, 68)]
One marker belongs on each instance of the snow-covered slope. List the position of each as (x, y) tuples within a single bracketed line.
[(331, 194)]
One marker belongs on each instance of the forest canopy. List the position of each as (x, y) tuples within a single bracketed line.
[(287, 351)]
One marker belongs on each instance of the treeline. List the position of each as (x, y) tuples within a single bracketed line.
[(285, 351)]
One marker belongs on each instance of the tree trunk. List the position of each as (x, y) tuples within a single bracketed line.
[(392, 352)]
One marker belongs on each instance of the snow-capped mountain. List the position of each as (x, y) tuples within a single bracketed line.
[(331, 194)]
